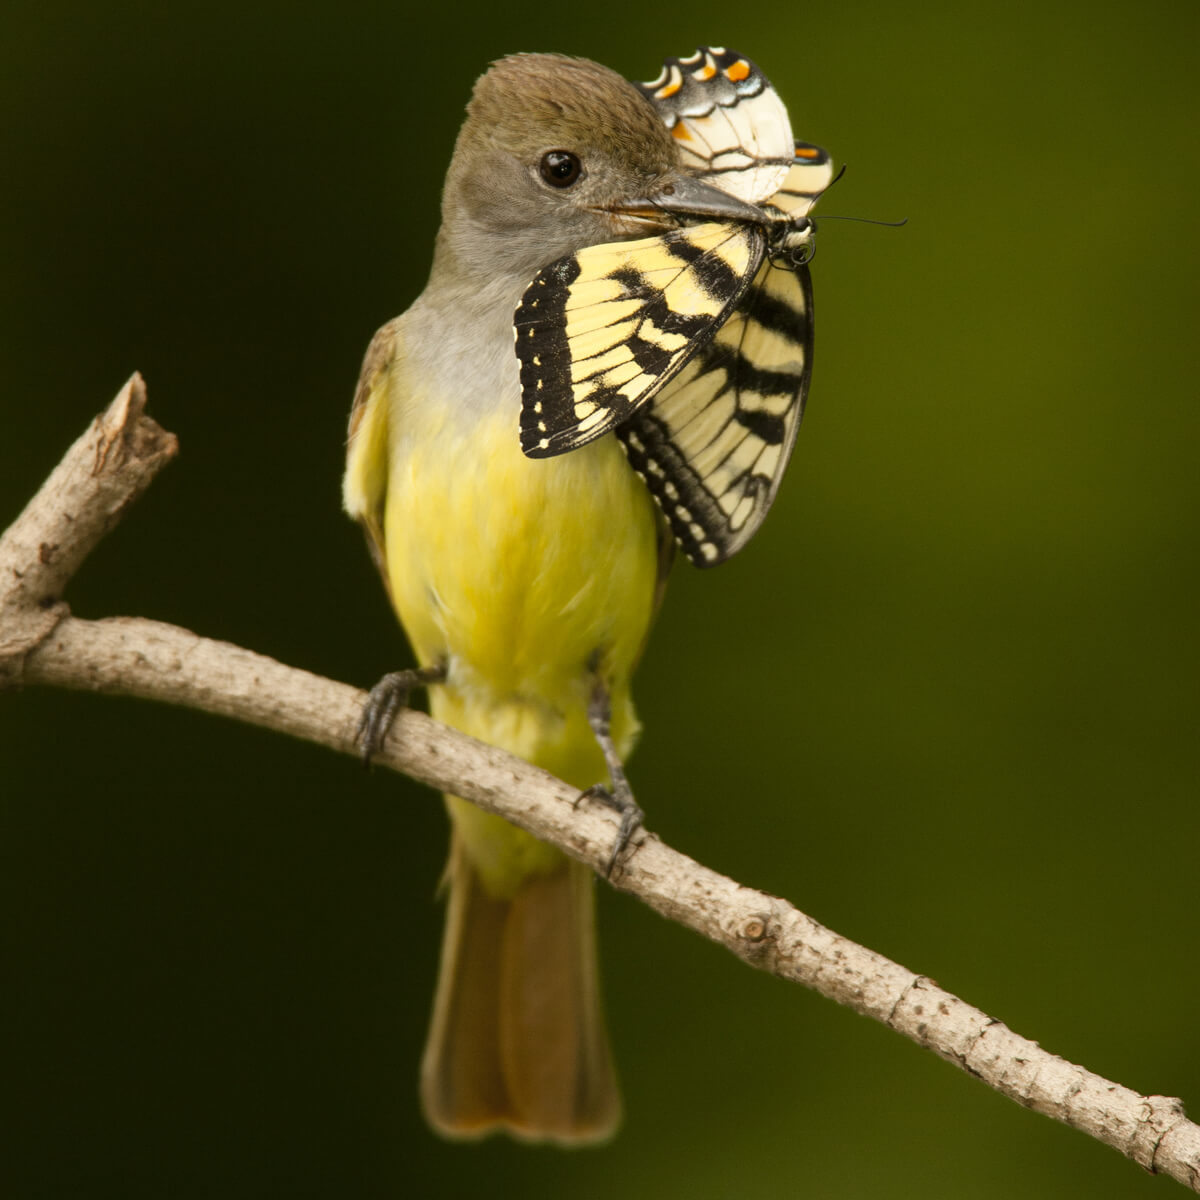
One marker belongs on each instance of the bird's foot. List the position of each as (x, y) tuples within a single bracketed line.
[(619, 796), (385, 700), (623, 803)]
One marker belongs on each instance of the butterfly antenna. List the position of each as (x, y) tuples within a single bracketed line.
[(863, 220), (836, 178), (866, 220)]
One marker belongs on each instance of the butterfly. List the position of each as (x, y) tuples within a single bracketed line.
[(694, 346)]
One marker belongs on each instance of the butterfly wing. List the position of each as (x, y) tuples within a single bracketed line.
[(713, 446), (810, 174), (731, 126), (600, 331), (713, 443), (693, 346)]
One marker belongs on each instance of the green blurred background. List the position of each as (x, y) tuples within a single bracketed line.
[(947, 702)]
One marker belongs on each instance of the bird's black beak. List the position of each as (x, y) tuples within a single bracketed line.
[(686, 196)]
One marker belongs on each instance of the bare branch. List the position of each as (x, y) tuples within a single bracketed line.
[(40, 643), (85, 496)]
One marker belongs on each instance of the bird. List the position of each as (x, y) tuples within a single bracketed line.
[(526, 582)]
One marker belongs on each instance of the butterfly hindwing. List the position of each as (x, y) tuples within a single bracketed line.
[(730, 124), (600, 331), (713, 445), (810, 174)]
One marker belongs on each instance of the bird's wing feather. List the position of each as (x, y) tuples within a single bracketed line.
[(364, 488)]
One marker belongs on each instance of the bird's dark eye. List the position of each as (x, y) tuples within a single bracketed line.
[(560, 168)]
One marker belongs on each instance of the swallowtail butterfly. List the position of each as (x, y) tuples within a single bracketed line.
[(694, 346)]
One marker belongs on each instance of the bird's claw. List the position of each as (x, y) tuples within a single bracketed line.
[(385, 700), (626, 807)]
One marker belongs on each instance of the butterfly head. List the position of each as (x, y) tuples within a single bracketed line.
[(791, 241), (560, 153)]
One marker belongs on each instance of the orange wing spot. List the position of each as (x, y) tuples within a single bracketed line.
[(739, 71), (665, 93), (680, 132), (706, 72), (807, 152)]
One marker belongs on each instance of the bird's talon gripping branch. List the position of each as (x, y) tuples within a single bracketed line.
[(597, 791), (631, 818), (386, 699), (620, 796)]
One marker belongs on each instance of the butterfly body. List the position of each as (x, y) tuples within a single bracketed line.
[(695, 345)]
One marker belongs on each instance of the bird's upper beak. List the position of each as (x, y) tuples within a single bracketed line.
[(686, 196)]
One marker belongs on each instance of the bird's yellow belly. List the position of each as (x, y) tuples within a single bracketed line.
[(527, 577)]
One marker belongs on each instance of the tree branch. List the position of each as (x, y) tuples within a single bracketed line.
[(41, 643)]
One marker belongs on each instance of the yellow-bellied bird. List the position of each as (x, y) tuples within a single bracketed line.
[(527, 578)]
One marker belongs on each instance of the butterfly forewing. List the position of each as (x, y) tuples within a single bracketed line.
[(730, 124), (600, 331), (713, 445)]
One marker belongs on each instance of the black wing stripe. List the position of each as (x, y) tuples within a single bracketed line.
[(763, 425), (777, 315), (709, 269)]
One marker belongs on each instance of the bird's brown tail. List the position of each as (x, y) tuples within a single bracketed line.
[(517, 1042)]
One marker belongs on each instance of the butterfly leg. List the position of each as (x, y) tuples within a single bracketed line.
[(620, 795), (386, 699)]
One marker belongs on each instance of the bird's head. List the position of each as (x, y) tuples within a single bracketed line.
[(559, 153)]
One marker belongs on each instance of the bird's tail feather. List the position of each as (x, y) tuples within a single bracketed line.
[(517, 1041)]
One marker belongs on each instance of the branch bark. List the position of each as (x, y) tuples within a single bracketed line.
[(41, 643)]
